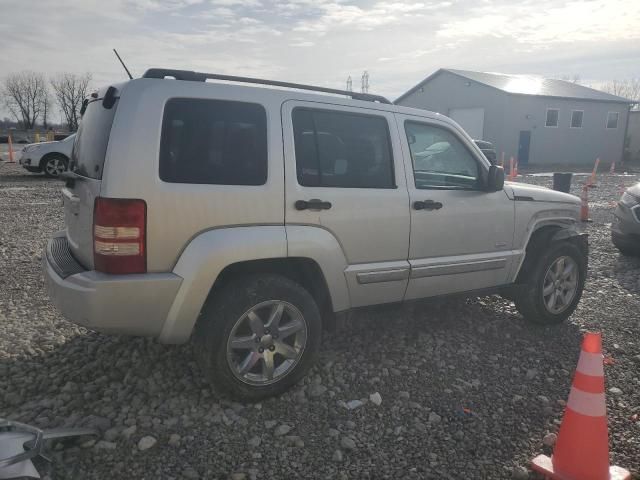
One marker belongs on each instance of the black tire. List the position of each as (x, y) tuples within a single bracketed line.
[(626, 250), (52, 159), (529, 300), (219, 316)]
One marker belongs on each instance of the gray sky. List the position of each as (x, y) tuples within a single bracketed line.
[(324, 41)]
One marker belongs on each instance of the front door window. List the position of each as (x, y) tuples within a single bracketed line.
[(440, 161)]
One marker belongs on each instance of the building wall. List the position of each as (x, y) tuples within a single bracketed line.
[(506, 115), (563, 144), (634, 135)]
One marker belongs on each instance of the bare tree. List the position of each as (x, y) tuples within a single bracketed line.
[(70, 90), (629, 89), (24, 94), (46, 108)]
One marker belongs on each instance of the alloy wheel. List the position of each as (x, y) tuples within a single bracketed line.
[(560, 285), (266, 342), (55, 166)]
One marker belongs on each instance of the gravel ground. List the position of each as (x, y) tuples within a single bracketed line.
[(386, 399)]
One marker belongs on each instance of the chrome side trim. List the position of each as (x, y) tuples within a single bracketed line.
[(383, 276), (454, 268)]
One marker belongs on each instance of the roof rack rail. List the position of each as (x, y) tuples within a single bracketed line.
[(191, 76)]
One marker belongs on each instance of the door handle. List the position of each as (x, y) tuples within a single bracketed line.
[(313, 204), (427, 205)]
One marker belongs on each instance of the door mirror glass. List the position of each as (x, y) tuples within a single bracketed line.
[(495, 180)]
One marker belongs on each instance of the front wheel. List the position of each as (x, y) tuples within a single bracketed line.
[(554, 285), (54, 166), (258, 336)]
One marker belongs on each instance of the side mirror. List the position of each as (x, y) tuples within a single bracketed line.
[(495, 180)]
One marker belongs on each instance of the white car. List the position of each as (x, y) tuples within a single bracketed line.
[(52, 158)]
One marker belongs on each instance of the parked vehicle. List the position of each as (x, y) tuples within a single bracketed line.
[(487, 149), (625, 228), (52, 158), (247, 217)]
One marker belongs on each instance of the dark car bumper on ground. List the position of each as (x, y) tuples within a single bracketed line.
[(625, 228)]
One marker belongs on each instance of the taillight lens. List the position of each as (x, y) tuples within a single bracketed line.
[(119, 235)]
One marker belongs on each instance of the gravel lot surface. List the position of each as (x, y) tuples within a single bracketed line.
[(386, 399)]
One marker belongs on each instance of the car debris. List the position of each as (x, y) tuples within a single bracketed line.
[(21, 443)]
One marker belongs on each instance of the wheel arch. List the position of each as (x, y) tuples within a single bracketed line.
[(215, 257), (544, 233), (302, 270)]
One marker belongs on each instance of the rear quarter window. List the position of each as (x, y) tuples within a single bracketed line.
[(213, 142)]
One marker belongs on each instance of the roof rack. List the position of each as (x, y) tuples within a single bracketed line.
[(191, 76)]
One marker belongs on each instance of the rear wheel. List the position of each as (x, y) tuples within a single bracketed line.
[(258, 336), (54, 165), (554, 285)]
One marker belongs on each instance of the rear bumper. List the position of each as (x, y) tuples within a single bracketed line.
[(121, 304)]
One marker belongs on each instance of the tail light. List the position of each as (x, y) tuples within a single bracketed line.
[(119, 235)]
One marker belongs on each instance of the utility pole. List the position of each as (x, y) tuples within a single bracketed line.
[(365, 82)]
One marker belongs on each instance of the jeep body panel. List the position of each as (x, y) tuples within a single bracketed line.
[(371, 224), (178, 212), (202, 261), (467, 243), (536, 208)]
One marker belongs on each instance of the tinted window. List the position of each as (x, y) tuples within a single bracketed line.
[(90, 144), (552, 118), (576, 119), (439, 158), (213, 142), (612, 120), (335, 149)]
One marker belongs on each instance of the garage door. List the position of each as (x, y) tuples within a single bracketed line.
[(471, 119)]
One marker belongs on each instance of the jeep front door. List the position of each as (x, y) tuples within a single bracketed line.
[(461, 234)]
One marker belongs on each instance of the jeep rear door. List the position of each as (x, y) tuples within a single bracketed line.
[(344, 174), (461, 235)]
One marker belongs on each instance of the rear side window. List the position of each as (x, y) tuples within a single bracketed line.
[(338, 149), (213, 142), (90, 144)]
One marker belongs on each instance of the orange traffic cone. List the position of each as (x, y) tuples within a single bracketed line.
[(592, 179), (584, 208), (582, 448), (11, 160)]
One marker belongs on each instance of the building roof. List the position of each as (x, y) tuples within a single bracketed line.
[(527, 85)]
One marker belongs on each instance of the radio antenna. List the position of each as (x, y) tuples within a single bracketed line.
[(123, 65)]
